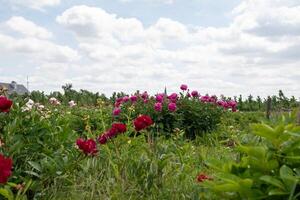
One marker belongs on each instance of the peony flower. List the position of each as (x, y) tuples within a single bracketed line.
[(121, 128), (5, 104), (188, 95), (88, 147), (5, 168), (54, 101), (125, 99), (72, 103), (142, 122), (111, 133), (133, 99), (116, 128), (159, 98), (205, 98), (116, 111), (173, 96), (202, 177), (145, 95), (102, 139), (195, 93), (172, 107), (183, 87), (158, 107), (119, 100)]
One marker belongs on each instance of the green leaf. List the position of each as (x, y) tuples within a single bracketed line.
[(273, 181), (257, 152), (35, 165), (265, 131), (6, 193), (275, 192), (287, 176), (227, 187)]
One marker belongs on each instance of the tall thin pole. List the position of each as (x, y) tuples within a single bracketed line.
[(27, 84)]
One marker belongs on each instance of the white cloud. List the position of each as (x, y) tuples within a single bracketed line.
[(35, 4), (151, 1), (28, 28), (121, 54)]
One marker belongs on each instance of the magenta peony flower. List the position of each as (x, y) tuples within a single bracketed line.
[(133, 98), (158, 107), (125, 99), (145, 95), (159, 98), (116, 111), (172, 107), (195, 93), (205, 98), (183, 87)]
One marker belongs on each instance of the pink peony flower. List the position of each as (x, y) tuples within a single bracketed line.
[(133, 98), (195, 93), (158, 107), (116, 111), (159, 98), (172, 107), (145, 95), (183, 87), (125, 99)]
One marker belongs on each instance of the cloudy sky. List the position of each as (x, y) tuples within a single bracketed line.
[(226, 47)]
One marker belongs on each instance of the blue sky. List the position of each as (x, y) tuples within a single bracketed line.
[(226, 47)]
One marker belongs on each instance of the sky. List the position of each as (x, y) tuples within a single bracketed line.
[(227, 47)]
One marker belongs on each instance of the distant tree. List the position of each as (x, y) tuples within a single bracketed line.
[(259, 102)]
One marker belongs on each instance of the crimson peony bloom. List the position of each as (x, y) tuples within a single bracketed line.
[(5, 104), (116, 111), (202, 177), (5, 168), (121, 128), (102, 139), (142, 122), (172, 107), (89, 147), (183, 87)]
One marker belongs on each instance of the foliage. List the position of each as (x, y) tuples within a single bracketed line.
[(266, 169)]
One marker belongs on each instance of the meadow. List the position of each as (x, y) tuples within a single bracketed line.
[(81, 145)]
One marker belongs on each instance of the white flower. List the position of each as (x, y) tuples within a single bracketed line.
[(72, 103)]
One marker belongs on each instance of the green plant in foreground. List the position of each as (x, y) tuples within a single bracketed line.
[(269, 169)]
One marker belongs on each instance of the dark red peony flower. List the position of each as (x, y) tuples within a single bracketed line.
[(89, 147), (5, 104), (202, 177), (112, 133), (142, 122), (5, 168), (120, 127), (102, 139)]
